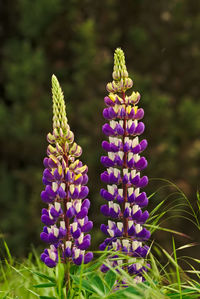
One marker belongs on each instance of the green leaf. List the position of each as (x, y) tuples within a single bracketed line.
[(8, 253), (156, 208), (97, 285), (110, 278), (52, 279), (124, 293), (85, 284), (60, 275), (45, 285), (47, 297)]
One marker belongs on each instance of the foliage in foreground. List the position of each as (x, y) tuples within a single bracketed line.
[(32, 279)]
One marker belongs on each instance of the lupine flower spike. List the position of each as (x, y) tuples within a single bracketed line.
[(125, 201), (65, 178)]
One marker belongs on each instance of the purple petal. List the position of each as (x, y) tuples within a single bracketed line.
[(54, 212), (131, 231), (106, 113), (106, 145), (82, 213), (108, 101), (131, 130), (70, 212), (130, 163), (68, 176), (102, 246), (136, 149), (75, 194), (84, 192), (50, 263), (68, 252), (51, 163), (140, 128), (119, 129), (143, 182), (141, 164), (126, 147), (45, 212), (106, 161), (104, 268), (136, 216), (107, 130), (61, 192), (43, 256), (144, 234), (114, 148), (52, 238), (105, 210), (131, 198), (126, 213), (103, 228), (86, 203), (47, 175), (111, 113), (142, 199), (135, 181), (87, 227), (45, 162), (85, 179), (84, 245), (125, 179), (79, 260), (44, 237), (105, 177), (106, 195), (143, 144), (139, 114), (88, 257), (144, 217), (122, 113), (76, 234), (46, 220)]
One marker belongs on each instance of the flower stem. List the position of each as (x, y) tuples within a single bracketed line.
[(67, 238), (124, 186)]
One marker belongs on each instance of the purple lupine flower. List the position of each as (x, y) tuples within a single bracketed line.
[(64, 177), (124, 162)]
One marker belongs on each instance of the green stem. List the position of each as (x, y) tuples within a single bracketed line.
[(124, 186)]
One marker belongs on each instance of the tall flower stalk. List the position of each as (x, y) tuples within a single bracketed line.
[(65, 178), (125, 201)]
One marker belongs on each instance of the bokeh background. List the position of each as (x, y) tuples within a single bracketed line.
[(75, 40)]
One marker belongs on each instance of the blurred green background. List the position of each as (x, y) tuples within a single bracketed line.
[(75, 40)]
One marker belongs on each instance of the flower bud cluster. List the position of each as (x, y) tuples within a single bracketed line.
[(65, 178), (121, 82), (124, 162)]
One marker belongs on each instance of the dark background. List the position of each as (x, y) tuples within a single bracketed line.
[(75, 40)]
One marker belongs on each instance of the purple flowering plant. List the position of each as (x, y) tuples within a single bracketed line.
[(65, 218), (124, 267), (66, 224), (124, 196)]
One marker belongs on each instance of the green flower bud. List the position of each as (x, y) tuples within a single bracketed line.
[(119, 71), (50, 138), (52, 149), (59, 110), (59, 148)]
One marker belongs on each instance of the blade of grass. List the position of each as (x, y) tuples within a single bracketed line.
[(177, 269)]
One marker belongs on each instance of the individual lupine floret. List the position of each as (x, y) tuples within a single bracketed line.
[(65, 179), (125, 230)]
